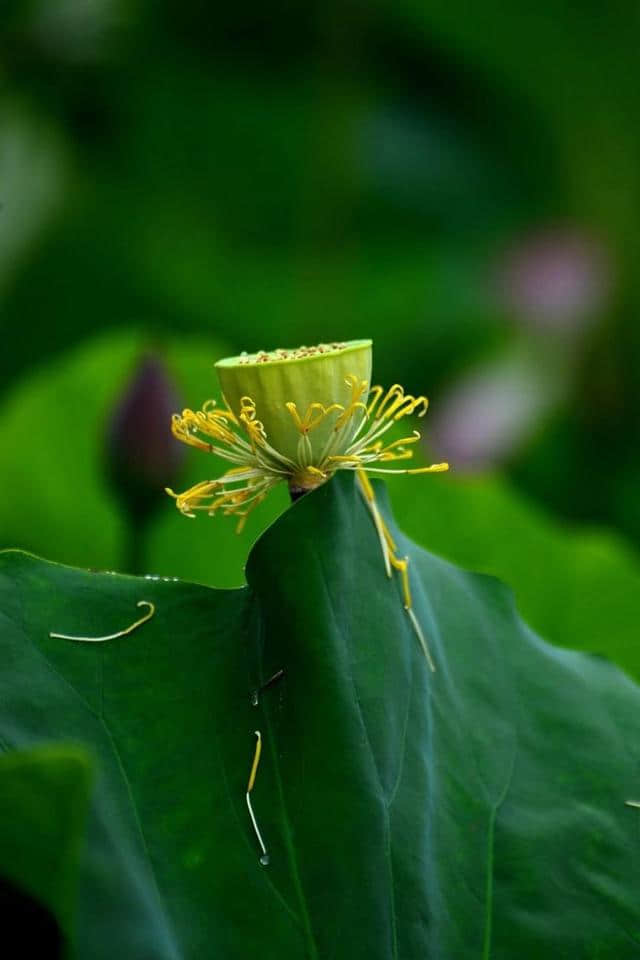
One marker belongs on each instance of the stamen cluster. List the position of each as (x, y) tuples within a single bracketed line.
[(355, 442)]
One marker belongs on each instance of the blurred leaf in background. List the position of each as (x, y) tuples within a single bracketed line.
[(33, 167), (460, 184), (63, 504)]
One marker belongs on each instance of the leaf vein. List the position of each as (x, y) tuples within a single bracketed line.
[(385, 808), (493, 816)]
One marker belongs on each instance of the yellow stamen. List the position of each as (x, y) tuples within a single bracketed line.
[(264, 859), (349, 413), (256, 761), (387, 535), (255, 431), (213, 426), (233, 472), (209, 407), (295, 416), (434, 468), (399, 406), (377, 392), (180, 430), (358, 387), (370, 495), (314, 415), (399, 454), (403, 567), (419, 401), (192, 498), (396, 443), (400, 564), (247, 406), (339, 458), (378, 522), (392, 394), (366, 485)]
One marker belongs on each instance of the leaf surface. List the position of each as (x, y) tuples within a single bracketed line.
[(407, 814), (44, 797)]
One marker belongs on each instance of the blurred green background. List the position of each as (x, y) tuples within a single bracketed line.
[(459, 182)]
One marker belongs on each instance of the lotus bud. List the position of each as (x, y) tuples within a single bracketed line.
[(141, 454)]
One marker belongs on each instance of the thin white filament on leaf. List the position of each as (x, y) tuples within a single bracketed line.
[(112, 636), (264, 859)]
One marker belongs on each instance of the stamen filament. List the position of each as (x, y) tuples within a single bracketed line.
[(264, 859), (421, 637), (113, 636), (389, 548)]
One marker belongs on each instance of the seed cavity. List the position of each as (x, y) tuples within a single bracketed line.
[(268, 356)]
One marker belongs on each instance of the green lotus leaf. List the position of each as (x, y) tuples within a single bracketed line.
[(475, 812), (44, 798)]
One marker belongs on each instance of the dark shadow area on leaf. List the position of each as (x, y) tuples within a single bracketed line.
[(28, 928)]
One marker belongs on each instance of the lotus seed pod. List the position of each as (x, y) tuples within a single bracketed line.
[(307, 377), (298, 416)]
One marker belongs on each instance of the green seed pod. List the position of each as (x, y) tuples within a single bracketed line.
[(298, 416), (290, 387)]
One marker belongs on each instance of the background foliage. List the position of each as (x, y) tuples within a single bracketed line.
[(460, 184)]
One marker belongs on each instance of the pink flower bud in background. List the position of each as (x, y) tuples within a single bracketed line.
[(490, 412), (557, 279)]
